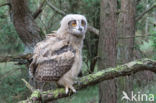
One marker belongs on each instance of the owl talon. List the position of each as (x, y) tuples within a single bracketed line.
[(74, 91), (67, 90), (71, 87)]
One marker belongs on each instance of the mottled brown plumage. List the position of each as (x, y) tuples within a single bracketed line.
[(55, 62)]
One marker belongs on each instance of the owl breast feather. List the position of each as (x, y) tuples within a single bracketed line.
[(53, 69)]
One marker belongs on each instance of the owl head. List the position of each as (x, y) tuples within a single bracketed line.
[(74, 24)]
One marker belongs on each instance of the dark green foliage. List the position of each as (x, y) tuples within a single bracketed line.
[(9, 40), (12, 88)]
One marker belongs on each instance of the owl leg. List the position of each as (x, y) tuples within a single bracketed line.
[(43, 85)]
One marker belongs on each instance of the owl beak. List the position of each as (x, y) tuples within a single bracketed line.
[(80, 29)]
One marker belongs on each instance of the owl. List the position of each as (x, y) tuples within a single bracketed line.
[(58, 58)]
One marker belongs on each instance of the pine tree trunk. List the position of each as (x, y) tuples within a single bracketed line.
[(126, 28), (107, 48)]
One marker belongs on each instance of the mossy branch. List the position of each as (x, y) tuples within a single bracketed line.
[(109, 73)]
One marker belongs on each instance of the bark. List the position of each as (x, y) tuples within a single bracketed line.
[(91, 79), (24, 24), (126, 28), (107, 48)]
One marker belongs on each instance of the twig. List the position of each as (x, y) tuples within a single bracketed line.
[(51, 21), (28, 85), (94, 30), (135, 36), (145, 12), (15, 58), (61, 12), (106, 74), (39, 10)]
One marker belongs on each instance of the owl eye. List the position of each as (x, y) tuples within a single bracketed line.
[(83, 23), (74, 23)]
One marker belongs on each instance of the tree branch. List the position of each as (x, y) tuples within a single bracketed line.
[(18, 58), (135, 36), (61, 12), (93, 30), (145, 12), (39, 10), (5, 4), (91, 79)]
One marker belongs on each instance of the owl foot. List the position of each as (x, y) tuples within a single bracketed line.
[(71, 87)]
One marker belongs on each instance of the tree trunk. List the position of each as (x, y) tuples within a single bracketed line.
[(107, 48), (126, 28), (24, 24)]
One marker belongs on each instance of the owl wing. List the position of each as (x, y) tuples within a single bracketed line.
[(54, 62)]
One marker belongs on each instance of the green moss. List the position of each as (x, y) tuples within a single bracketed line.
[(90, 77), (58, 91), (99, 73), (139, 62), (36, 94), (54, 92), (118, 68)]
